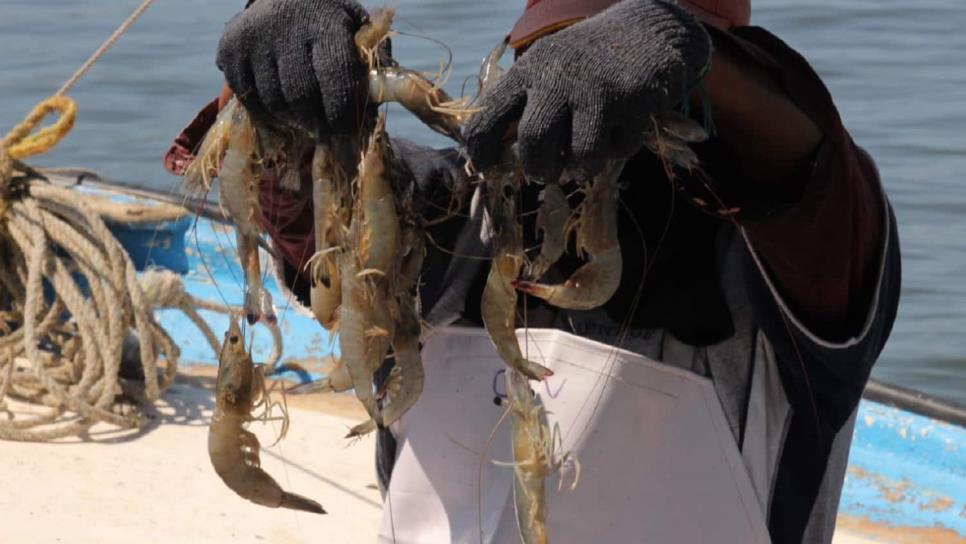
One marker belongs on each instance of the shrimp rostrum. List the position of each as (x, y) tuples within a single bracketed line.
[(233, 450)]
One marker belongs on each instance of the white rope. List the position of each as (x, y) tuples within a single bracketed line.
[(72, 297)]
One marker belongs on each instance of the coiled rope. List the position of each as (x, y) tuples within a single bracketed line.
[(69, 293)]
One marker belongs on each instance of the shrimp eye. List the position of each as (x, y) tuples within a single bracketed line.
[(233, 340)]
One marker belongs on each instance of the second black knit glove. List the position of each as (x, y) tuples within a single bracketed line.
[(587, 92)]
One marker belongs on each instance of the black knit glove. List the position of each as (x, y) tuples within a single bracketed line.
[(294, 62), (586, 93)]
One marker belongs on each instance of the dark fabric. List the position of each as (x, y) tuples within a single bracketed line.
[(587, 93), (823, 383), (289, 220), (294, 63)]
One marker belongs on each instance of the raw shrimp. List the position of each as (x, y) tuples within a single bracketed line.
[(208, 157), (375, 223), (499, 303), (239, 175), (365, 323), (670, 137), (328, 204), (595, 282), (238, 178), (372, 34), (392, 83), (552, 217), (490, 70), (405, 382), (258, 301), (233, 450), (364, 332), (534, 458)]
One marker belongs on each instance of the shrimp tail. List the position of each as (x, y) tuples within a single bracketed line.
[(362, 429), (317, 386), (298, 502), (258, 305), (534, 371)]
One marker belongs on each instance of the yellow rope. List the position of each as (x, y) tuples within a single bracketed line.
[(22, 141)]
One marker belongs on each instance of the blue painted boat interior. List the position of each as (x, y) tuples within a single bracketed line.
[(905, 470)]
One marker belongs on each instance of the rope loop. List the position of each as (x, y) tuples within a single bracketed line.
[(22, 141)]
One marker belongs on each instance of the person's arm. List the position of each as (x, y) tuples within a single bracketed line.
[(821, 241), (761, 126)]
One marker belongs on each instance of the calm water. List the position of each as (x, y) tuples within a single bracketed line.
[(896, 71)]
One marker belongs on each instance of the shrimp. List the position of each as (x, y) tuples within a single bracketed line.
[(258, 301), (373, 33), (208, 157), (375, 223), (534, 458), (233, 450), (326, 285), (552, 217), (365, 331), (595, 282), (499, 303), (405, 383), (239, 177), (365, 322)]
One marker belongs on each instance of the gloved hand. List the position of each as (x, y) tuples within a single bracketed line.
[(586, 93), (294, 63)]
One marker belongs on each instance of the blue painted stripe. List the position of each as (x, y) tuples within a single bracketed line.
[(906, 470)]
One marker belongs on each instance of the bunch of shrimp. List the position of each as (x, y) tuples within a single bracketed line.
[(230, 152), (370, 244), (592, 230)]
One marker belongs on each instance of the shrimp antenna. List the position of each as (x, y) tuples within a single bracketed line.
[(446, 68)]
